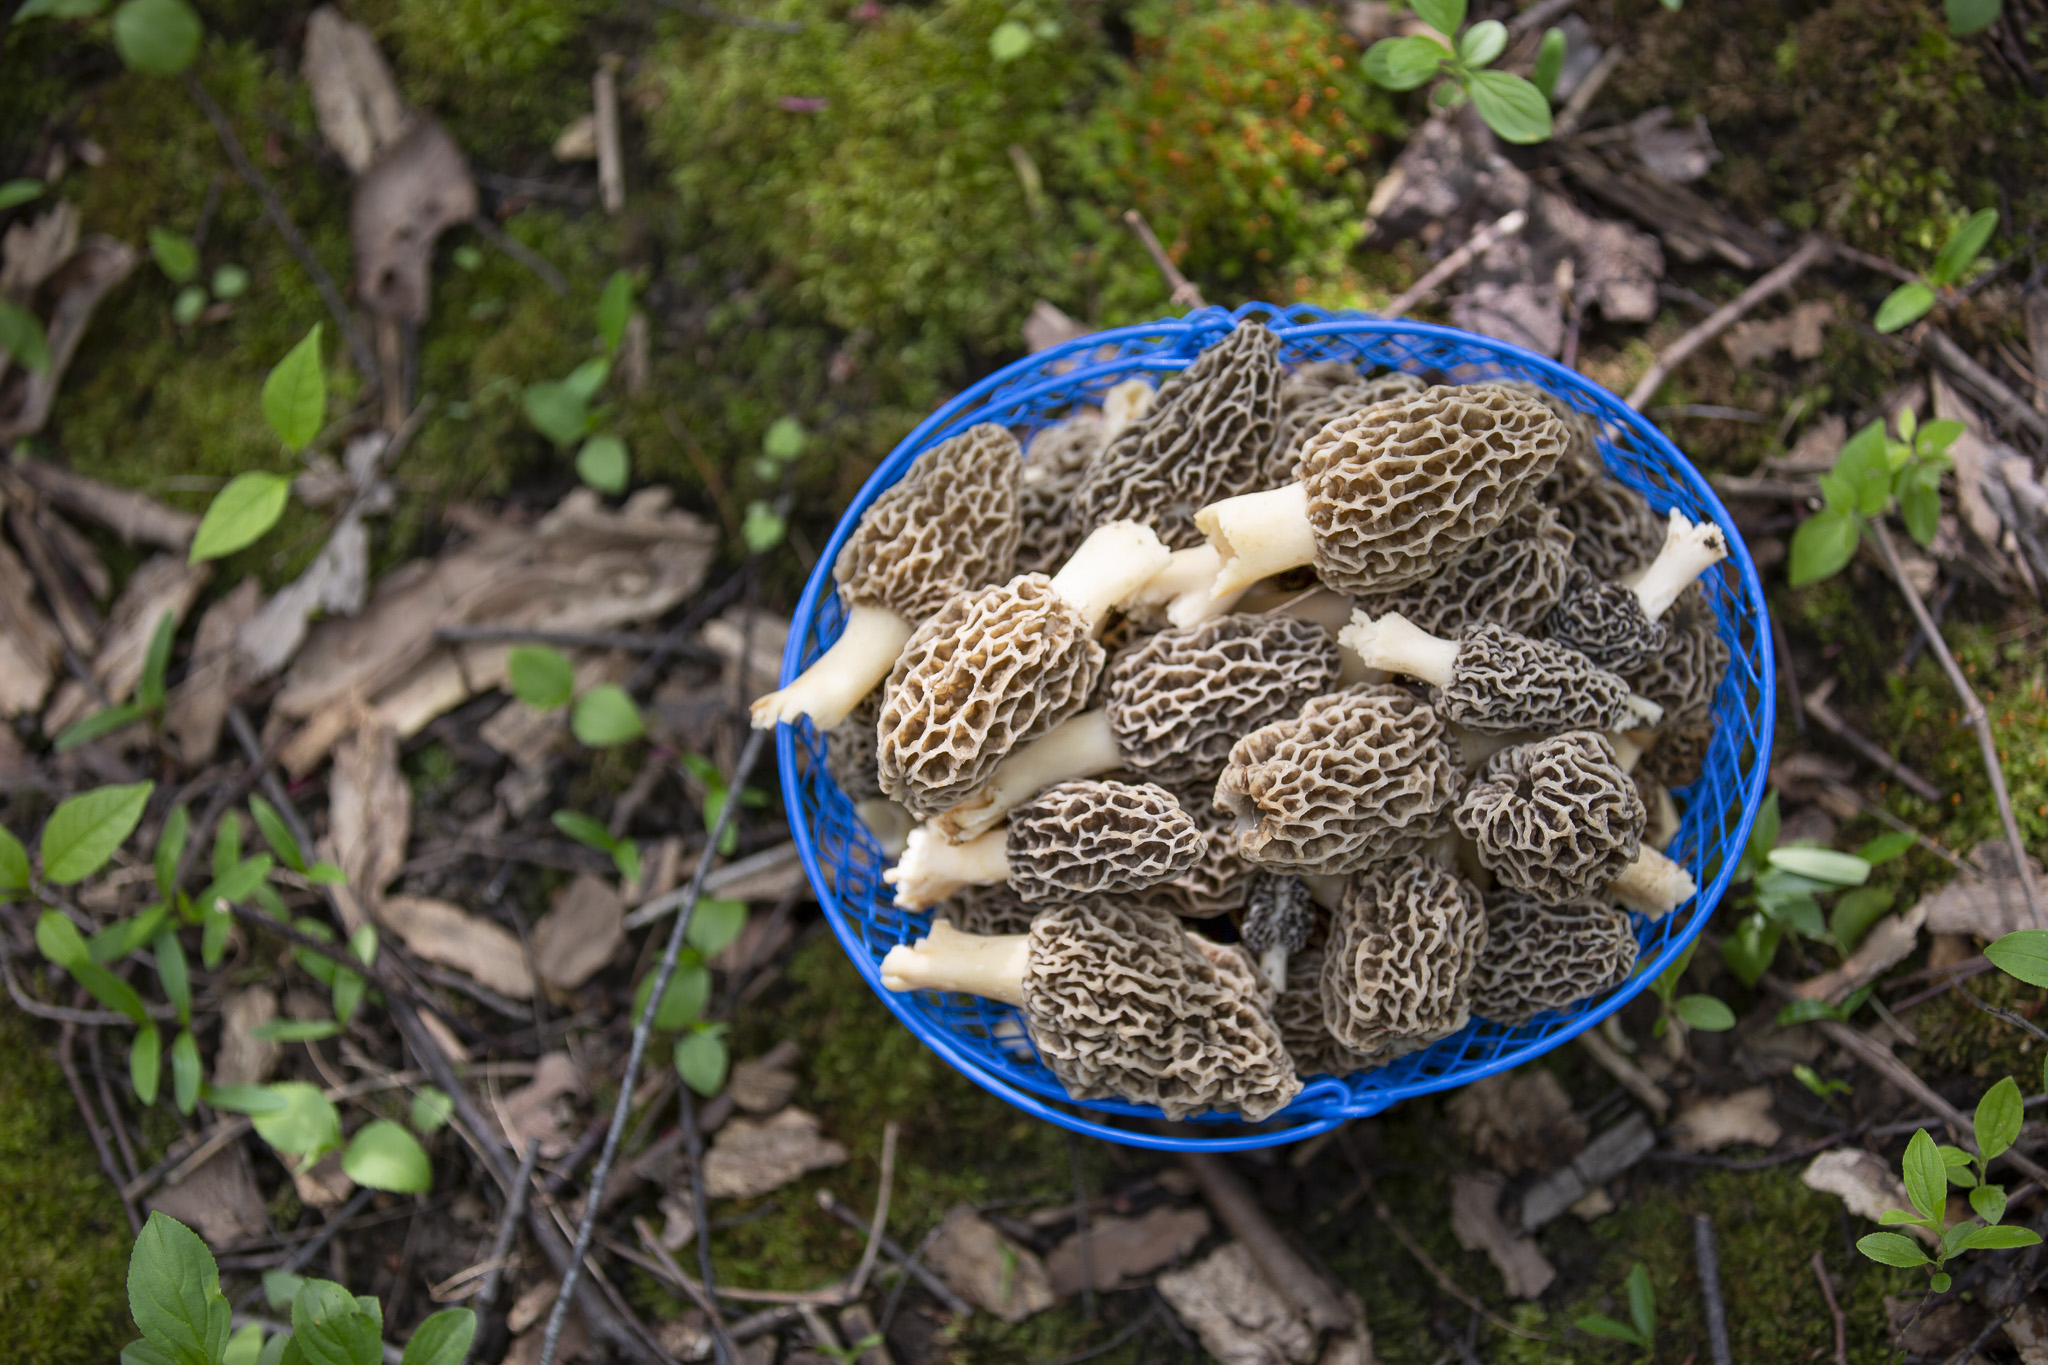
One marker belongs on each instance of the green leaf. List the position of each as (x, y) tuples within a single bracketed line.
[(626, 858), (689, 990), (236, 884), (1906, 304), (1823, 544), (185, 1071), (230, 282), (784, 440), (1823, 865), (442, 1339), (2023, 954), (762, 529), (240, 514), (583, 829), (331, 1328), (1805, 1012), (1999, 1238), (59, 940), (1549, 62), (1894, 1217), (431, 1110), (175, 255), (170, 846), (1403, 63), (1445, 16), (383, 1156), (586, 379), (543, 678), (14, 869), (1009, 41), (615, 309), (1939, 1282), (1642, 1303), (1989, 1202), (280, 1287), (1971, 16), (84, 831), (1480, 44), (605, 716), (277, 834), (1513, 108), (1886, 847), (1704, 1013), (557, 412), (146, 1062), (227, 843), (702, 1059), (243, 1099), (156, 664), (1891, 1248), (307, 1126), (1964, 247), (295, 394), (1855, 912), (1938, 436), (98, 725), (143, 1353), (716, 923), (245, 1347), (1600, 1325), (602, 464), (172, 971), (14, 193), (174, 1293), (188, 305), (157, 37), (1926, 1175), (21, 336), (296, 1030), (1920, 509), (348, 991), (1998, 1118), (326, 874)]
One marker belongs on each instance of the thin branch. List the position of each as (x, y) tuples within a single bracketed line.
[(1370, 1190), (1632, 1077), (522, 253), (700, 1209), (1824, 715), (1081, 1232), (92, 1128), (1827, 1293), (1709, 1262), (1505, 226), (1944, 352), (313, 1245), (696, 1291), (508, 1225), (859, 1284), (1813, 250), (911, 1263), (1183, 292), (1232, 1200), (2018, 1021)]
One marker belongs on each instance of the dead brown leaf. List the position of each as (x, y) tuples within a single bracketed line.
[(1987, 904), (1708, 1125), (417, 188), (97, 266), (2027, 1329), (199, 704), (29, 643), (164, 584), (1798, 331), (756, 638), (354, 97), (1120, 1250), (1518, 1121), (1049, 326), (1677, 154), (1478, 1226), (1240, 1316), (243, 1058), (369, 813), (542, 1110), (135, 517), (1865, 1182), (35, 248), (326, 1185), (750, 1157), (219, 1201), (334, 584), (1890, 941), (575, 939), (449, 935), (763, 1084), (990, 1270)]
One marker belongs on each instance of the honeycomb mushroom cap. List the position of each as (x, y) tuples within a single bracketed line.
[(1234, 966), (1357, 776), (1279, 913), (1581, 463), (1123, 1004), (1053, 464), (1401, 489), (992, 909), (1677, 757), (1556, 819), (1686, 673), (1402, 949), (1604, 621), (1179, 700), (1220, 881), (1506, 681), (1205, 438), (1544, 957), (850, 750), (1303, 414), (1298, 1014), (1614, 532), (950, 525), (1306, 383), (1098, 838), (1513, 578), (989, 671)]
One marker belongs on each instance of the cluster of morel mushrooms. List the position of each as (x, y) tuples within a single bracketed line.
[(1394, 677)]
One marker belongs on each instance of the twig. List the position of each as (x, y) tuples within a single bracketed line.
[(642, 1029), (1709, 1262), (1123, 1334), (92, 1128), (315, 1244), (1973, 710), (1542, 12), (700, 1207), (1081, 1226), (508, 1225), (1582, 94), (1944, 352), (273, 209), (1505, 226), (911, 1265), (1998, 1012), (721, 1339), (1787, 674), (858, 1285), (1830, 720), (522, 253), (1183, 292), (1232, 1200), (1855, 256), (1632, 1077), (94, 1056), (1814, 249), (1827, 1293), (611, 167)]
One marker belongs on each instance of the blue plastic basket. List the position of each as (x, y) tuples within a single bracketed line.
[(985, 1040)]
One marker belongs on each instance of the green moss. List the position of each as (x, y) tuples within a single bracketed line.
[(63, 1239)]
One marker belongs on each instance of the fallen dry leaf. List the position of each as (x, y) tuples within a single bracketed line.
[(164, 583), (1478, 1226), (1240, 1317), (1518, 1121), (30, 645), (1125, 1249), (1973, 457), (97, 266), (1677, 154), (243, 1058), (417, 188), (369, 812), (135, 517), (1799, 331), (750, 1157), (532, 1305), (1708, 1125), (762, 1085), (680, 1223), (1889, 942), (540, 1111), (1988, 904), (575, 939), (35, 248), (326, 1186), (756, 637), (355, 100), (578, 140), (1865, 1182), (989, 1269), (2027, 1330), (219, 1201), (451, 936), (198, 705), (334, 584)]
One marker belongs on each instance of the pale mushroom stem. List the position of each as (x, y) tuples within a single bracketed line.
[(1627, 753), (932, 869), (988, 965), (1273, 966), (1689, 551), (1185, 587), (829, 689), (1111, 564), (1124, 404), (1649, 712), (1081, 746), (1653, 885), (1259, 534), (1400, 646)]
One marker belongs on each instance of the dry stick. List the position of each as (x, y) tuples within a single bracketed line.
[(92, 1128), (1542, 12), (1830, 720), (1709, 1262), (859, 1284), (1827, 1293), (1973, 710), (1184, 294), (1787, 675), (1425, 1260), (315, 1244), (1813, 250), (1632, 1077), (1583, 93), (120, 1130), (1232, 1199), (1081, 1226), (642, 1029), (508, 1225), (1999, 1012), (273, 209), (700, 1208), (720, 1337), (1953, 358), (611, 164), (911, 1262), (1505, 226)]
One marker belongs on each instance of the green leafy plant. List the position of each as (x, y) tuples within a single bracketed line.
[(1957, 263), (1824, 1088), (154, 37), (543, 678), (1971, 16), (178, 258), (150, 692), (562, 411), (1640, 1330), (294, 404), (1517, 110), (1779, 889), (716, 794), (854, 1350), (762, 528), (1872, 473), (14, 193), (2023, 954), (1702, 1012), (22, 339), (625, 853), (605, 716)]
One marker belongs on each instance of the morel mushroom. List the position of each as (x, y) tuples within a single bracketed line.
[(1493, 679), (1386, 497), (1614, 532), (1052, 469), (1220, 881), (1357, 776), (1304, 413), (1581, 463), (1618, 627), (949, 526), (1556, 819), (998, 668), (1687, 671), (987, 910), (1544, 957), (1176, 702), (1298, 1015), (1279, 917), (1513, 578), (1075, 839), (850, 759), (1205, 438), (1402, 950), (1121, 1003)]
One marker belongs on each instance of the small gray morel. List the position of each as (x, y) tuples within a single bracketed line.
[(1556, 819), (949, 526), (1220, 882), (1053, 465), (1279, 917), (1072, 840), (1490, 678), (998, 668), (1620, 627), (1545, 957), (1403, 946), (1120, 1002)]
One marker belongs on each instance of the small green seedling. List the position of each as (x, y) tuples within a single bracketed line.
[(562, 410), (1702, 1012), (149, 695), (1872, 473), (1516, 109), (154, 37), (1640, 1330), (1781, 890), (715, 796), (625, 853), (763, 527), (1825, 1088), (1956, 264), (295, 405)]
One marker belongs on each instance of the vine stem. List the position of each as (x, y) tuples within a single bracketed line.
[(1973, 711)]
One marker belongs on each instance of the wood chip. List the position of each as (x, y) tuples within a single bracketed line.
[(542, 1109), (219, 1201), (135, 517), (1238, 1314), (1710, 1124), (1604, 1158), (198, 705), (1518, 1121), (1798, 331), (243, 1058), (1865, 1182), (751, 1157), (1123, 1250), (452, 937), (1477, 1223), (1987, 904), (334, 584), (369, 813), (164, 583), (991, 1271), (326, 1185), (574, 940)]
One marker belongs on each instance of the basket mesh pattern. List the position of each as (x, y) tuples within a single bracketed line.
[(986, 1040)]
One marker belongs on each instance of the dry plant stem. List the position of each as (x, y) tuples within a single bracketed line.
[(1825, 716), (2005, 1015), (700, 1210), (1632, 1077), (1184, 294), (912, 1263), (508, 1226), (1810, 252), (1953, 358), (721, 1338), (1709, 1262), (611, 167), (643, 1027), (1973, 711), (1232, 1200), (1505, 226), (92, 1128), (1370, 1190), (97, 1061), (859, 1284), (1582, 95), (1827, 1294), (273, 208)]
